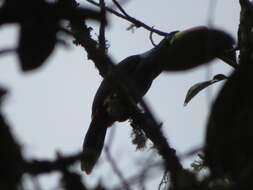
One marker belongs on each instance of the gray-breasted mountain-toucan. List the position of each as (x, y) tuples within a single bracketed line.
[(178, 51)]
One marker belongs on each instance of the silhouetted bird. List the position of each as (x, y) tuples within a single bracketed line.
[(177, 52)]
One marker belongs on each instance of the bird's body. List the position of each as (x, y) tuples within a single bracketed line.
[(132, 67), (142, 69), (107, 107)]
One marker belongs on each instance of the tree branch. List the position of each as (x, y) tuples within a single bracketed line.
[(101, 38), (116, 169), (131, 19), (120, 7)]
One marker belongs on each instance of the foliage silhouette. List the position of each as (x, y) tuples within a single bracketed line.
[(38, 33), (228, 151), (196, 88)]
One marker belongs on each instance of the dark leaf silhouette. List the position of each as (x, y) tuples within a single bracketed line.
[(36, 43), (196, 88), (39, 22)]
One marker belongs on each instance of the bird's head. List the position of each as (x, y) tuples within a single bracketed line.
[(195, 46)]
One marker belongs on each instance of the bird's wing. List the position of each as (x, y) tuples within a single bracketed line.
[(128, 67), (102, 93), (129, 64)]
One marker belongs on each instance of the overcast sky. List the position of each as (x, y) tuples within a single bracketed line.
[(50, 108)]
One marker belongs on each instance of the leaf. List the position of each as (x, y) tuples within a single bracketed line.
[(195, 89), (36, 43)]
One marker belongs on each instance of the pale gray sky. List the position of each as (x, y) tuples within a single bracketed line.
[(50, 109)]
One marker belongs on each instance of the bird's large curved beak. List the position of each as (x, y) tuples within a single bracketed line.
[(196, 46)]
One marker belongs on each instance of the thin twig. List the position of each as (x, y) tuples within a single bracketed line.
[(190, 153), (135, 179), (36, 183), (151, 38), (131, 19), (116, 168), (211, 11), (112, 161), (111, 136), (121, 2), (102, 43), (7, 51), (164, 181), (120, 7)]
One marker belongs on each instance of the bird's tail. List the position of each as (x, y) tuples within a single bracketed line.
[(94, 141)]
